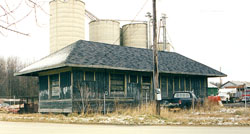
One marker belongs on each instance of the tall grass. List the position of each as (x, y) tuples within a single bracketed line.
[(150, 109)]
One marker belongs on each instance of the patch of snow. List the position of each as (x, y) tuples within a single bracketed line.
[(224, 110)]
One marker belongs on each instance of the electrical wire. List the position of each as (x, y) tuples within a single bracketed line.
[(159, 31), (169, 40), (132, 20)]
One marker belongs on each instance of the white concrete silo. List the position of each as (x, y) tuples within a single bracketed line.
[(67, 23), (135, 35), (105, 31)]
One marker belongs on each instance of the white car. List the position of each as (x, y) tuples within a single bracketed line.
[(224, 96)]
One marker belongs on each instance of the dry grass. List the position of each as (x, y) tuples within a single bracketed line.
[(141, 110), (208, 114), (150, 109)]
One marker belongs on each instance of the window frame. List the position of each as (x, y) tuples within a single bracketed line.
[(55, 87), (150, 79), (123, 79), (135, 76)]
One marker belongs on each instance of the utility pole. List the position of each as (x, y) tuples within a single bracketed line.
[(155, 54), (245, 88), (220, 79)]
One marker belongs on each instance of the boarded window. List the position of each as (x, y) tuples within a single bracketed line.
[(117, 82), (54, 86), (133, 78), (43, 84), (65, 85), (89, 76), (146, 79), (65, 79)]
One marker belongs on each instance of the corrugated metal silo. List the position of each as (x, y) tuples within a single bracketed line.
[(67, 23), (135, 35), (105, 31)]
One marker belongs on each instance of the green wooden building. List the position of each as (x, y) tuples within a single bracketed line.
[(212, 90), (81, 74)]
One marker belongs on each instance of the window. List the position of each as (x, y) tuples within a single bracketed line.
[(133, 78), (89, 76), (65, 85), (117, 82), (54, 86), (43, 84), (182, 95), (146, 79)]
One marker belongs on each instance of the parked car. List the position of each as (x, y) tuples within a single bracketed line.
[(229, 95), (181, 99), (225, 97)]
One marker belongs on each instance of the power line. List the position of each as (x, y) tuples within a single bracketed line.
[(132, 20)]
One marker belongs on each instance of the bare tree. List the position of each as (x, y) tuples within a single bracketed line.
[(2, 76), (13, 12), (84, 96), (11, 85)]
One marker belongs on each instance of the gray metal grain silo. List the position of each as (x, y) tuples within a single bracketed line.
[(67, 23), (105, 31), (135, 35)]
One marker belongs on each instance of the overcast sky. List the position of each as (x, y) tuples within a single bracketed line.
[(213, 32)]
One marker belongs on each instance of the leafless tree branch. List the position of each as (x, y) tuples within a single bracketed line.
[(25, 16), (15, 31), (8, 14)]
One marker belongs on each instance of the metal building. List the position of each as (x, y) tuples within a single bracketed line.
[(105, 31), (67, 23), (135, 35)]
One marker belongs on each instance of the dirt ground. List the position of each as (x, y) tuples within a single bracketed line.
[(209, 116)]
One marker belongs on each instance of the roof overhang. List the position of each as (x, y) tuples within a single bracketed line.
[(34, 72)]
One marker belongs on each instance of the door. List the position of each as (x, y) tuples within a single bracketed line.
[(146, 89)]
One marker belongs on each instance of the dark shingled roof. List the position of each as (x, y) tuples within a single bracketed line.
[(100, 55)]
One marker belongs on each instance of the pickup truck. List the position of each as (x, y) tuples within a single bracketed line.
[(180, 99)]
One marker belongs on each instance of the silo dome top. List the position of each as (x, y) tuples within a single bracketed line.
[(102, 20), (64, 1)]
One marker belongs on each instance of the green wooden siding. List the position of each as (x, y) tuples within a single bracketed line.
[(89, 87)]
